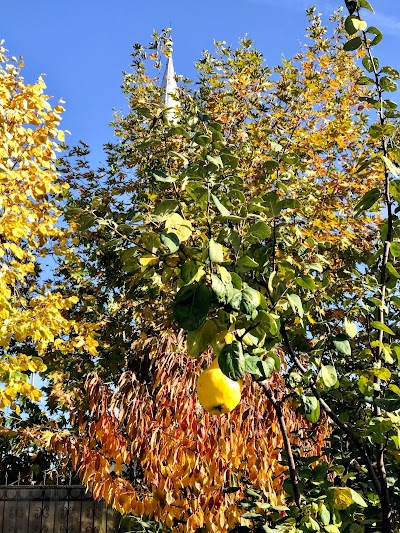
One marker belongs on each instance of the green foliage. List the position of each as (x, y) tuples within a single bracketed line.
[(268, 210)]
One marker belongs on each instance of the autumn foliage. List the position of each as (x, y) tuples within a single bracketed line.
[(192, 469), (33, 318), (253, 210), (251, 187)]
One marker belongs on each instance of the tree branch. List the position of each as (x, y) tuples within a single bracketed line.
[(288, 447), (333, 416)]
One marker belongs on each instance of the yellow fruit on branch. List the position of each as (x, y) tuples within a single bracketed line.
[(217, 393)]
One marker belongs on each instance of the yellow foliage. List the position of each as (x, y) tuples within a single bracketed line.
[(29, 212)]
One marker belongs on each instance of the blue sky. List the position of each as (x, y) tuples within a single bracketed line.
[(83, 46)]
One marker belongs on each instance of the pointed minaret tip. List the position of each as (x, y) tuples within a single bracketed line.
[(170, 87)]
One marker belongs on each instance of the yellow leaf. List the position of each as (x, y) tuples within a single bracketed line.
[(178, 225), (350, 327), (16, 250), (148, 260), (341, 497), (359, 25)]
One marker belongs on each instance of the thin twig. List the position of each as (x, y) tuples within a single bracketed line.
[(288, 447)]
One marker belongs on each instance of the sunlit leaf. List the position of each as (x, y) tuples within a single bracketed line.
[(199, 339), (191, 306), (231, 360)]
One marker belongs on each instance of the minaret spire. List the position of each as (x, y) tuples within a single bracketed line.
[(170, 89)]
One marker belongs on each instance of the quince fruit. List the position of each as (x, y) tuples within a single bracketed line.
[(217, 393)]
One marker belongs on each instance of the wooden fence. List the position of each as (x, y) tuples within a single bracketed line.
[(54, 509)]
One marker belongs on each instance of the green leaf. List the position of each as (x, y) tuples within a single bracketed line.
[(353, 44), (144, 111), (329, 376), (388, 84), (291, 158), (268, 324), (266, 367), (191, 306), (73, 212), (236, 299), (324, 515), (178, 130), (390, 166), (251, 365), (160, 175), (354, 24), (176, 155), (226, 276), (271, 164), (341, 344), (260, 230), (365, 386), (215, 160), (395, 300), (306, 281), (165, 208), (392, 72), (377, 33), (199, 339), (365, 4), (237, 281), (313, 417), (223, 291), (86, 221), (311, 407), (231, 360), (358, 499), (351, 6), (189, 271), (276, 359), (365, 80), (247, 262), (365, 162), (382, 327), (390, 403), (272, 203), (388, 129), (127, 254), (147, 144), (395, 249), (367, 201), (216, 251), (171, 241), (295, 304), (250, 300), (316, 266), (252, 515), (290, 203), (201, 139), (369, 65), (221, 208), (381, 373), (229, 160)]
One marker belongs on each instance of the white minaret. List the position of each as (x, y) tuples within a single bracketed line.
[(170, 87)]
